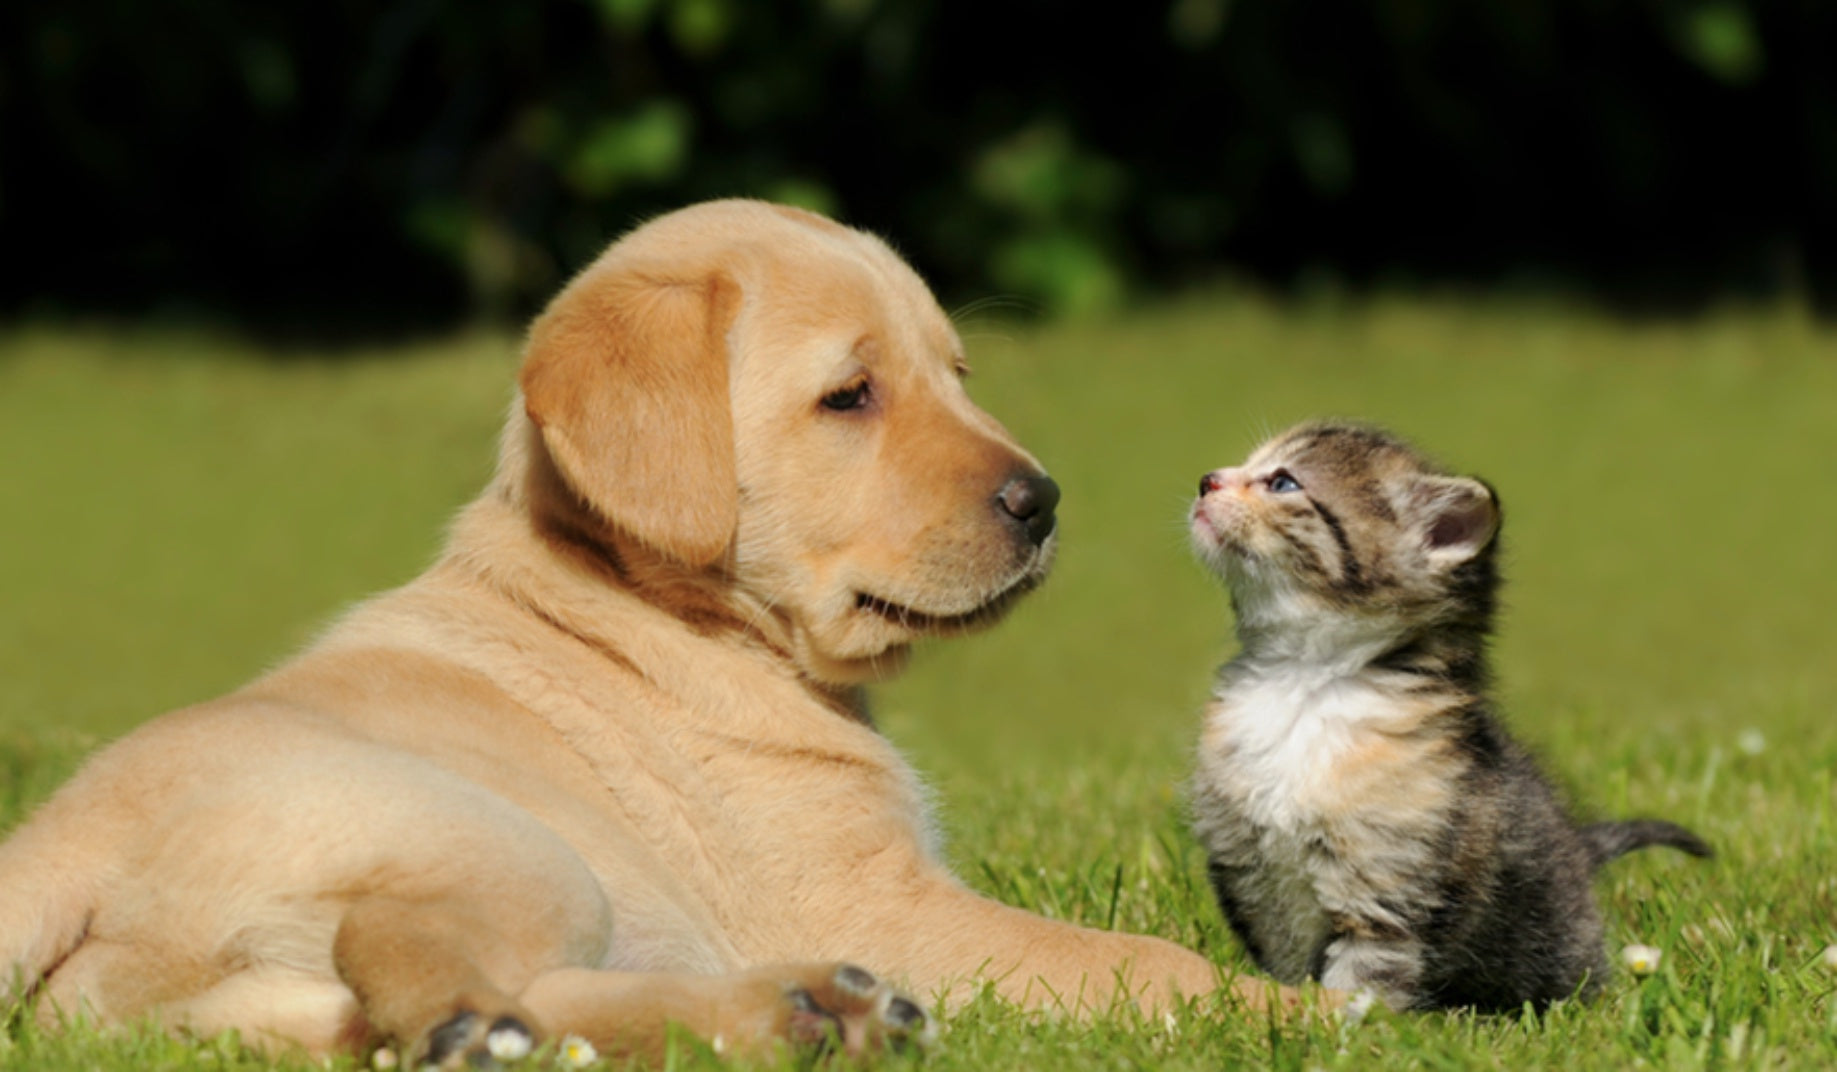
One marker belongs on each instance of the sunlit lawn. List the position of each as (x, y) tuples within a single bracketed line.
[(179, 512)]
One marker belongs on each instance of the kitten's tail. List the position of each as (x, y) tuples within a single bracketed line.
[(1608, 840)]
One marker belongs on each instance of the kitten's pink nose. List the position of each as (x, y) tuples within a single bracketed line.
[(1216, 480)]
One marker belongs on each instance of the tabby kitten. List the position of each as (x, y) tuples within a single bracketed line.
[(1368, 821)]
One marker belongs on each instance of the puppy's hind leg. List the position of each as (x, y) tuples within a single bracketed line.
[(437, 974)]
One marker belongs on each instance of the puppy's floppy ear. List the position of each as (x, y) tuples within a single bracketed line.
[(626, 376)]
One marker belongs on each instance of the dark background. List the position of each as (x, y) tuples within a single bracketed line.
[(315, 166)]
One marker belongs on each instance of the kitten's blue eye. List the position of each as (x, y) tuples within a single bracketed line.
[(1282, 481)]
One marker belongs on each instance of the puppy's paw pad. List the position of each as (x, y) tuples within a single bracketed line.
[(905, 1025), (856, 982), (901, 1014), (465, 1041), (810, 1025), (447, 1043), (509, 1040)]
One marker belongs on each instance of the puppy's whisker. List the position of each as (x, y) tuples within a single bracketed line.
[(1015, 302), (995, 336), (764, 612)]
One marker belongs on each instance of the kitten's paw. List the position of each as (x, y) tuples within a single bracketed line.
[(1358, 1003)]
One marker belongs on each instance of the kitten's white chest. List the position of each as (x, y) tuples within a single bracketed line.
[(1271, 739)]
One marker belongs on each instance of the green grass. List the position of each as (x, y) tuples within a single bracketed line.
[(180, 514)]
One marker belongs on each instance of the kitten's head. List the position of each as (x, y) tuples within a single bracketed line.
[(1346, 520)]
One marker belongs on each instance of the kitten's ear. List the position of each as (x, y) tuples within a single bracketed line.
[(1461, 516)]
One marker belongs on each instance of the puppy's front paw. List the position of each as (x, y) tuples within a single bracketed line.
[(843, 1007)]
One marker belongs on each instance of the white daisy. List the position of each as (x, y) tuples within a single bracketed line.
[(576, 1052), (1641, 960)]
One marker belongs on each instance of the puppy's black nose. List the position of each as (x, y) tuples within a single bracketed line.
[(1030, 500)]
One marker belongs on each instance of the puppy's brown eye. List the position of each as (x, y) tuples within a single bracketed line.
[(854, 396)]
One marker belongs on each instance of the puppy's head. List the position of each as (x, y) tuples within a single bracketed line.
[(760, 395)]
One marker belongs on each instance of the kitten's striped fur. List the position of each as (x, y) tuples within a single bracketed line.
[(1368, 821)]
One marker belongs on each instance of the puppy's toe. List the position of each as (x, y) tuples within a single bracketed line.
[(467, 1040)]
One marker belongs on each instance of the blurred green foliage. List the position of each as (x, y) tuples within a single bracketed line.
[(424, 159)]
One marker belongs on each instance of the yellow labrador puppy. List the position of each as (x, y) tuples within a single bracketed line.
[(604, 766)]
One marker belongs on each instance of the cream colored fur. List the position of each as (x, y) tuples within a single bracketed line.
[(604, 765)]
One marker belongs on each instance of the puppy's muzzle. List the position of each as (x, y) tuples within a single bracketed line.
[(1029, 500)]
